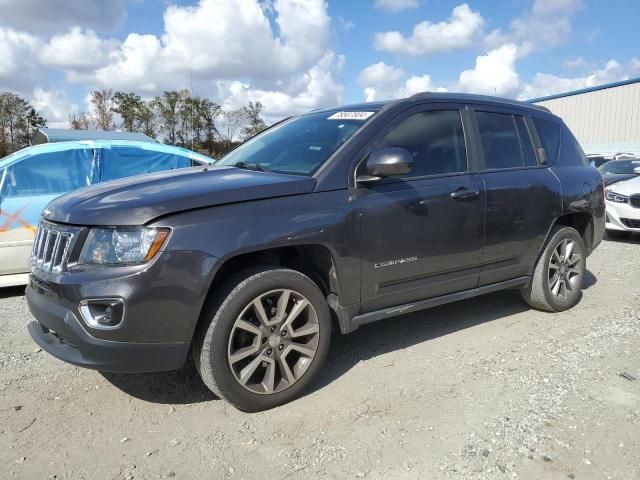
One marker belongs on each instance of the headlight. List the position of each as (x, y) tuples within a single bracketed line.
[(616, 197), (126, 245)]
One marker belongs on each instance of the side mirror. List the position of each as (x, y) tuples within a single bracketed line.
[(636, 170), (387, 162)]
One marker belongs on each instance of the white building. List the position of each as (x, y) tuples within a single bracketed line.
[(605, 119)]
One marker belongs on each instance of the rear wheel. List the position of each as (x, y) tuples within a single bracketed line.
[(265, 340), (557, 278)]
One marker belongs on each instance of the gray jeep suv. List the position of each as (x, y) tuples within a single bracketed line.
[(329, 220)]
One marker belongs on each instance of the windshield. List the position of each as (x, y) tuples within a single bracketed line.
[(619, 166), (299, 146)]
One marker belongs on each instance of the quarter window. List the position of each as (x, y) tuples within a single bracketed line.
[(435, 140), (549, 134), (500, 141)]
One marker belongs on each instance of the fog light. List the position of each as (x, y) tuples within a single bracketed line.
[(102, 313)]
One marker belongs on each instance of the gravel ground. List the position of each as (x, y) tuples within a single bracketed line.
[(482, 389)]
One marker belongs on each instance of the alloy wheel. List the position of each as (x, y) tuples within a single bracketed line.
[(273, 341), (565, 272)]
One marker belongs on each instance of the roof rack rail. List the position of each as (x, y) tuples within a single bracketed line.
[(420, 94), (540, 107)]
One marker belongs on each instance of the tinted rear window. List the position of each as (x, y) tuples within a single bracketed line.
[(500, 141), (549, 134)]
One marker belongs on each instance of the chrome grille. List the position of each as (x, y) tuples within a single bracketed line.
[(51, 247), (634, 200)]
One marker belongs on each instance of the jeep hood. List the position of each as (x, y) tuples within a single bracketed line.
[(140, 199)]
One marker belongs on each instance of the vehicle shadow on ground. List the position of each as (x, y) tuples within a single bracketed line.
[(632, 238), (177, 387), (395, 334), (9, 292)]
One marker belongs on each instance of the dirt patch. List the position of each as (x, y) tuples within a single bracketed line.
[(485, 388)]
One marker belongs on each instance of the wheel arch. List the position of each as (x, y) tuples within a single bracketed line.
[(316, 261)]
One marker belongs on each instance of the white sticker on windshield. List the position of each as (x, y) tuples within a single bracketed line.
[(357, 115)]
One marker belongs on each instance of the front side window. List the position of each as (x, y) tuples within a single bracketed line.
[(549, 134), (435, 140), (48, 174), (299, 146), (501, 142)]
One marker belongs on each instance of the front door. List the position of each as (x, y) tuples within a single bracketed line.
[(422, 234)]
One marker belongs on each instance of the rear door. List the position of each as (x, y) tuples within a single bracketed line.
[(422, 233), (523, 196)]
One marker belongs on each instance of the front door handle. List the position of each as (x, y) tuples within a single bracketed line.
[(465, 194)]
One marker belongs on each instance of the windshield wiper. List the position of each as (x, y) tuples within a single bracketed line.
[(250, 166)]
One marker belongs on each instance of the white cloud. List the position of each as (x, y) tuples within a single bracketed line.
[(396, 5), (48, 16), (494, 73), (54, 105), (380, 81), (316, 87), (546, 25), (546, 84), (18, 70), (461, 30), (136, 66), (77, 50), (229, 47)]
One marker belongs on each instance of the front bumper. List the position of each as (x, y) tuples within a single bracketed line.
[(622, 217), (59, 331)]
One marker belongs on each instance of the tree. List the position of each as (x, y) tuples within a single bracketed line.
[(232, 123), (147, 118), (80, 121), (167, 105), (190, 119), (102, 101), (18, 121), (209, 112), (255, 123), (129, 106)]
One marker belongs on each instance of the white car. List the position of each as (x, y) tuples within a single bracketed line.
[(623, 207)]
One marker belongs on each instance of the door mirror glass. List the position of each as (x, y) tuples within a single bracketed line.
[(389, 161)]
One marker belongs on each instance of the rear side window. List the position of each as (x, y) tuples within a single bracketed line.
[(549, 134), (434, 138), (526, 145), (500, 140)]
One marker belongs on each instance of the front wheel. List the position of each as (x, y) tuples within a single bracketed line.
[(264, 339), (557, 279)]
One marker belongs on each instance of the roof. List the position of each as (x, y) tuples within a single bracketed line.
[(439, 97), (586, 90), (65, 134), (94, 144)]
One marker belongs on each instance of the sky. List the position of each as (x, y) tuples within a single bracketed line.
[(297, 55)]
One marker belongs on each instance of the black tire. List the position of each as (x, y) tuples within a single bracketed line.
[(213, 350), (618, 234), (539, 292)]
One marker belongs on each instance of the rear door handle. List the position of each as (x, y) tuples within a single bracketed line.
[(465, 194)]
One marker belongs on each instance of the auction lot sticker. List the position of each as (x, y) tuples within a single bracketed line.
[(359, 115)]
